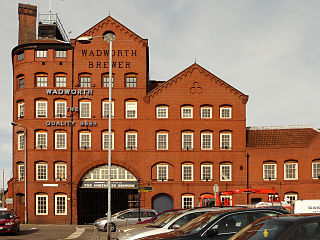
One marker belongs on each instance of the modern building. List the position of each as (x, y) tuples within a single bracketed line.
[(179, 137)]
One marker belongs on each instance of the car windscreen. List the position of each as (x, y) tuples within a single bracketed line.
[(198, 223), (268, 229), (6, 215), (166, 219)]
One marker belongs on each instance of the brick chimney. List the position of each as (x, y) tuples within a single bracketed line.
[(27, 23)]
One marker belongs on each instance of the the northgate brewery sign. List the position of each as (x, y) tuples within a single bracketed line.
[(104, 184)]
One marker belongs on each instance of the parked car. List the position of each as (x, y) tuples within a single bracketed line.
[(286, 227), (220, 224), (176, 220), (9, 221), (123, 218), (154, 218)]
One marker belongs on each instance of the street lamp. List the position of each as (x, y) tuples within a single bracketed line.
[(108, 37), (25, 171)]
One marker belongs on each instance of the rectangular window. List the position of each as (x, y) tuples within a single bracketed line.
[(60, 109), (206, 172), (60, 172), (21, 83), (20, 110), (105, 109), (85, 81), (269, 171), (20, 141), (316, 170), (225, 112), (226, 200), (61, 81), (85, 109), (225, 172), (162, 141), (131, 141), (60, 204), (131, 109), (105, 81), (186, 112), (21, 172), (162, 173), (131, 81), (187, 172), (41, 140), (162, 112), (206, 112), (41, 53), (61, 54), (206, 141), (290, 171), (187, 201), (105, 136), (42, 81), (85, 140), (289, 198), (60, 140), (41, 171), (41, 204), (20, 56), (41, 109), (225, 141), (187, 141)]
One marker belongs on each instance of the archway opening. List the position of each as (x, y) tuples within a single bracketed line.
[(161, 202)]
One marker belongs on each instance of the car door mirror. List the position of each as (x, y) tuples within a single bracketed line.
[(175, 226), (212, 232)]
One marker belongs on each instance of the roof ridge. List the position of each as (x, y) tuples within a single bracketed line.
[(280, 127)]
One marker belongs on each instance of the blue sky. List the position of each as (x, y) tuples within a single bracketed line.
[(266, 49)]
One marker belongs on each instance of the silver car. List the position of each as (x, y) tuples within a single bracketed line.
[(124, 218)]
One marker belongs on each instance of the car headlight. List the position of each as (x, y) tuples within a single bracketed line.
[(9, 223)]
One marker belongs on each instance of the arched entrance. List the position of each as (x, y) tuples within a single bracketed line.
[(92, 194), (162, 202)]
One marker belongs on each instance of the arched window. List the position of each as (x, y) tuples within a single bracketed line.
[(41, 108), (206, 112), (41, 80), (105, 140), (131, 79), (60, 171), (225, 171), (85, 80), (60, 106), (187, 172), (41, 171), (105, 108), (85, 140), (20, 109), (225, 111), (42, 204), (60, 204), (131, 108), (60, 80), (187, 140), (131, 140), (85, 108), (206, 140), (41, 139), (162, 140), (187, 111), (187, 201), (60, 137), (206, 172), (162, 111), (20, 81), (316, 169), (225, 140), (162, 172), (269, 170), (291, 170), (105, 80)]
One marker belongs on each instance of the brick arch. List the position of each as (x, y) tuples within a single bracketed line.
[(97, 163)]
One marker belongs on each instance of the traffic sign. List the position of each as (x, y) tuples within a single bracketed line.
[(216, 188), (144, 189)]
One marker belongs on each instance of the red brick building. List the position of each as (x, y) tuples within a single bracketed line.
[(179, 136)]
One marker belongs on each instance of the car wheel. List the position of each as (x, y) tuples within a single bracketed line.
[(112, 227)]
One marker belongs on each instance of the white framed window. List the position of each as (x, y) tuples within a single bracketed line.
[(60, 204), (316, 170), (131, 81), (206, 172), (41, 53), (41, 140), (225, 140), (131, 109), (162, 173), (206, 141), (42, 81), (85, 140), (21, 110), (187, 140), (60, 172), (290, 197), (206, 112), (226, 200), (61, 81), (225, 112), (60, 140), (269, 171), (105, 137), (162, 111), (41, 204), (85, 109), (41, 109), (85, 81), (187, 202), (187, 172), (131, 140), (105, 81), (187, 112), (21, 172), (105, 109), (60, 109), (291, 171), (61, 53), (225, 172), (41, 171), (20, 141), (162, 141)]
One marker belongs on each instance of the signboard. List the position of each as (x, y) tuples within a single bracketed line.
[(104, 184), (216, 188), (306, 206), (145, 189)]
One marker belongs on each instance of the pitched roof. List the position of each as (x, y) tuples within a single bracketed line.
[(280, 137), (188, 71)]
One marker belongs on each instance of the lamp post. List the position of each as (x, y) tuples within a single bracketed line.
[(108, 37), (25, 170), (247, 156)]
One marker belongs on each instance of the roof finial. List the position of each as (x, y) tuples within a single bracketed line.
[(195, 60), (109, 13)]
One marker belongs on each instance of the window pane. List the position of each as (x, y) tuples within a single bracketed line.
[(106, 81), (42, 204), (85, 141), (61, 54), (61, 172), (225, 172), (61, 81), (187, 201), (187, 141), (61, 109), (41, 171), (21, 83), (85, 81), (269, 171), (131, 109), (42, 81), (131, 142), (206, 172), (206, 112), (131, 81), (187, 173), (41, 140), (85, 109), (60, 205), (206, 141), (162, 141), (162, 172), (316, 170), (41, 53)]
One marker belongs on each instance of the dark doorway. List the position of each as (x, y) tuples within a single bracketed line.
[(20, 207), (162, 202), (93, 202)]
